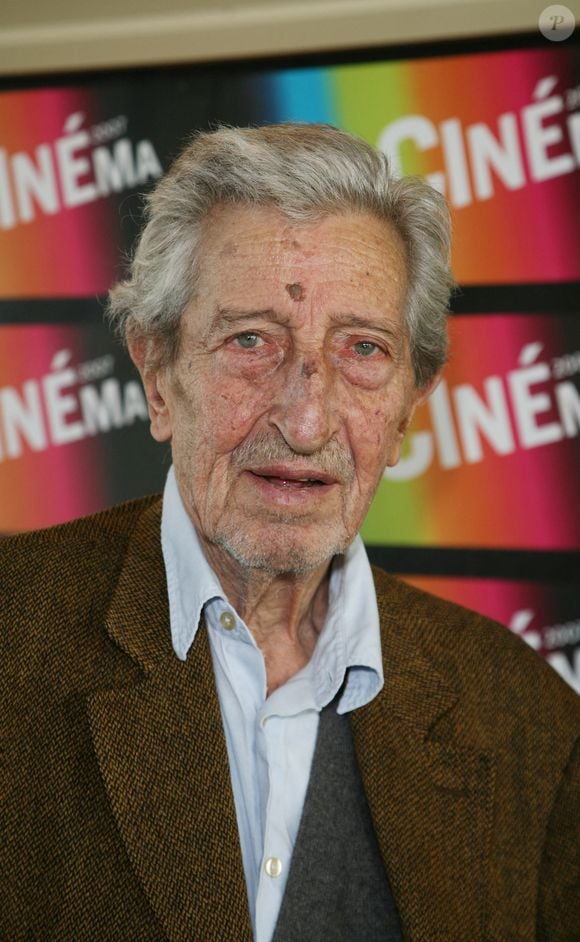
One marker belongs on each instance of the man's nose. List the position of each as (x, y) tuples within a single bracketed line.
[(303, 411)]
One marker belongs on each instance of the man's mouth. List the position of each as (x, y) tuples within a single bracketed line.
[(290, 482), (294, 478)]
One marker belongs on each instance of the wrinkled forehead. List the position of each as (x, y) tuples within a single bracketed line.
[(352, 251)]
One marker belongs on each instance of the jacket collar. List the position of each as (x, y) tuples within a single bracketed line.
[(429, 791), (162, 755)]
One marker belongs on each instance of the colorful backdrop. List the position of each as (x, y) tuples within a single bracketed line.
[(483, 507)]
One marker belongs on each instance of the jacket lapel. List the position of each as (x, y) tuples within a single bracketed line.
[(162, 755), (430, 799)]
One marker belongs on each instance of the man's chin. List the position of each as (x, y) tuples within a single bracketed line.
[(278, 556)]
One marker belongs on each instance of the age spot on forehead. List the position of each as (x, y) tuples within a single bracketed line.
[(308, 370), (296, 291)]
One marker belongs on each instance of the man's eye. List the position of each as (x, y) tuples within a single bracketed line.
[(365, 348), (248, 340)]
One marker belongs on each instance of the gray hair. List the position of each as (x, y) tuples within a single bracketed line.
[(306, 171)]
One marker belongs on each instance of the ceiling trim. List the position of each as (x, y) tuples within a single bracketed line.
[(244, 31)]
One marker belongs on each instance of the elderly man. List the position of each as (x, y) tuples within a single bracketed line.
[(221, 724)]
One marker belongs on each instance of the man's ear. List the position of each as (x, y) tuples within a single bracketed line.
[(420, 395), (423, 392), (155, 383)]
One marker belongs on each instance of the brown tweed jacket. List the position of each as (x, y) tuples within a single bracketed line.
[(118, 820)]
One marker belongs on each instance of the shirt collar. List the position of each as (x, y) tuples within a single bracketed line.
[(349, 641), (191, 582)]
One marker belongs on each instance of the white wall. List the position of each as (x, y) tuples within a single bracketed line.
[(64, 35)]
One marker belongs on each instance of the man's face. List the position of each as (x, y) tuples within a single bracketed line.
[(293, 385)]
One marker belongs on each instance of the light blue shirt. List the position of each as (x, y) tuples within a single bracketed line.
[(270, 740)]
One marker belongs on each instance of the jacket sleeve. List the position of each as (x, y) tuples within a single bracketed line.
[(559, 888)]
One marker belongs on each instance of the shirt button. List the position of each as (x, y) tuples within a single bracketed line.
[(227, 620), (273, 866)]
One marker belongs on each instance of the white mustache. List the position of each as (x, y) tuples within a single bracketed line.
[(333, 460)]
